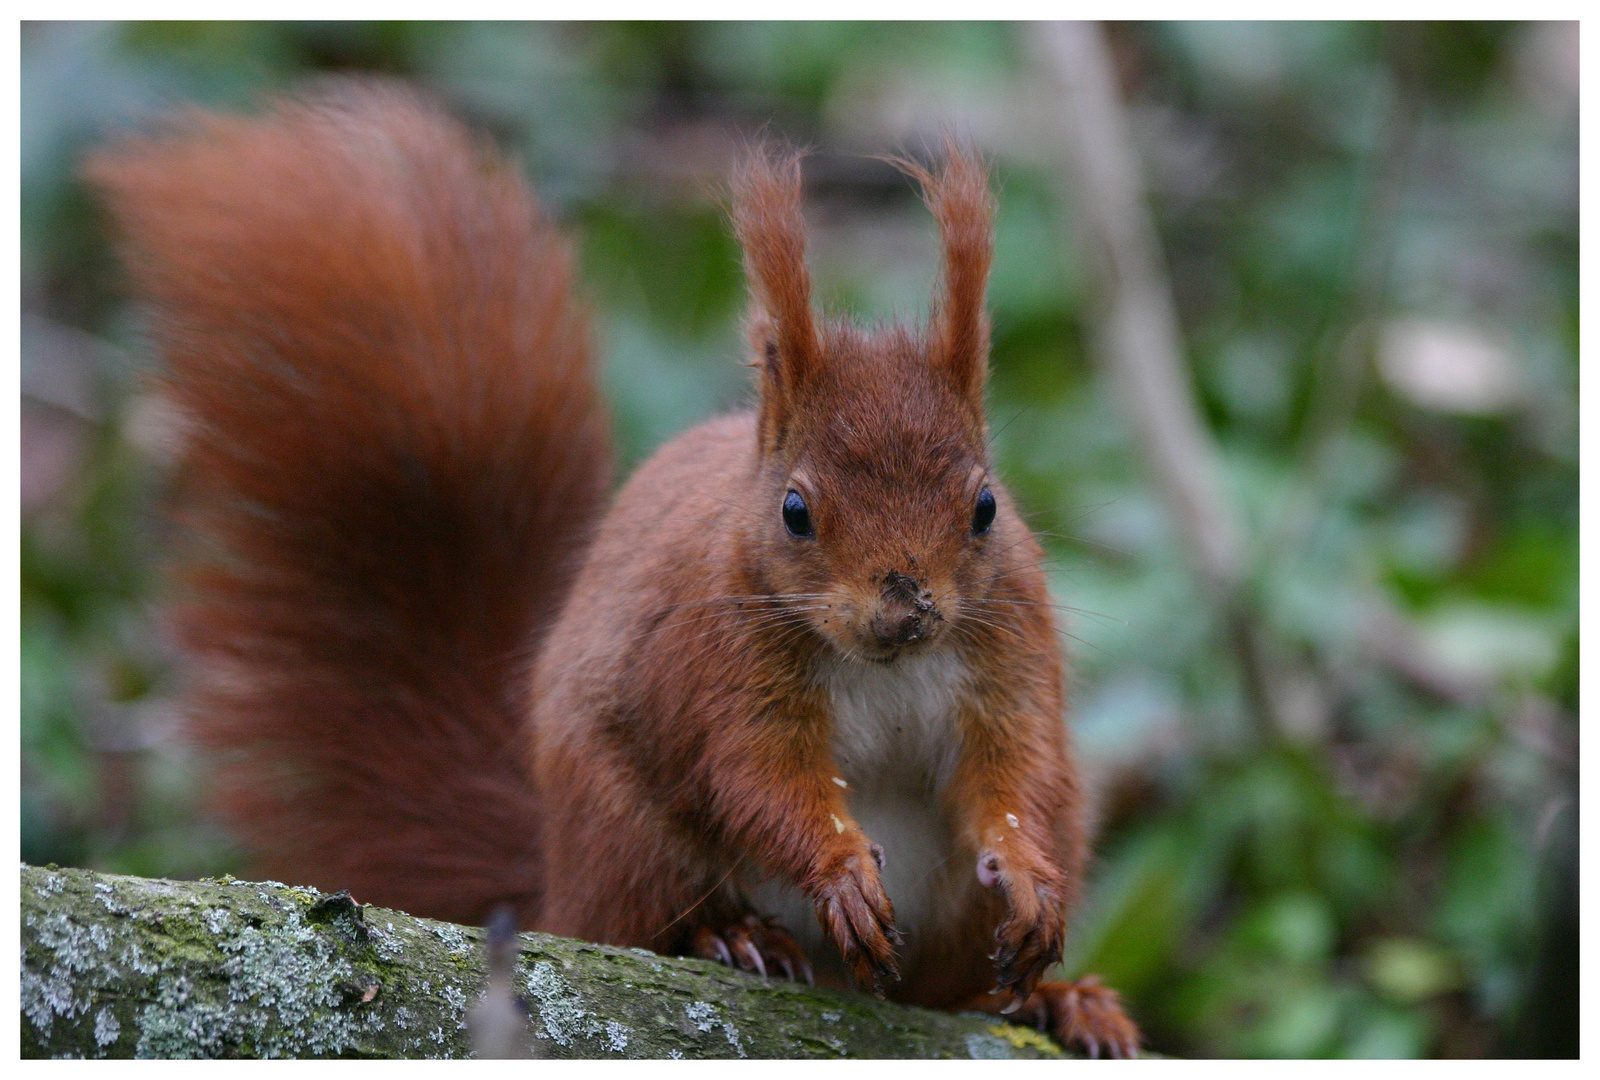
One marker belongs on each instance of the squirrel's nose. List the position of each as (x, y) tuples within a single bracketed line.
[(903, 612), (897, 626)]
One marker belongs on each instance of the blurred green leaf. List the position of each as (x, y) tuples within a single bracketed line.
[(1408, 970)]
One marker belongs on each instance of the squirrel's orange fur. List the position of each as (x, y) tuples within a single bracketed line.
[(794, 668)]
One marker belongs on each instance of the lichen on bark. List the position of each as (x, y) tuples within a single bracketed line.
[(117, 966)]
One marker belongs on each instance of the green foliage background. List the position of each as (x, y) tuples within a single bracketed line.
[(1389, 869)]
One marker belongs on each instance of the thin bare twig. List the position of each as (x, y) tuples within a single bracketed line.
[(1139, 339), (1137, 326), (1136, 333)]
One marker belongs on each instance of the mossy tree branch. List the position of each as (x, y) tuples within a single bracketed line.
[(118, 966)]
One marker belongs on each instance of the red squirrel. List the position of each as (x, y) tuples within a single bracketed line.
[(792, 701)]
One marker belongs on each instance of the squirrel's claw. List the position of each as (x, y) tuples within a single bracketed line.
[(744, 950), (779, 948), (707, 944)]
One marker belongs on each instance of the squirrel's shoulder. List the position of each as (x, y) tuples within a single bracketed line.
[(658, 540), (710, 458), (670, 498)]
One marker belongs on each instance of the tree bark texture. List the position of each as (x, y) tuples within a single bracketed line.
[(116, 966)]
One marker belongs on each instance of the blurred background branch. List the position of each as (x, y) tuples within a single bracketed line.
[(1137, 333), (1136, 324)]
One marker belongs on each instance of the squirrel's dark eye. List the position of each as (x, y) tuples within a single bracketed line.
[(796, 518), (983, 513)]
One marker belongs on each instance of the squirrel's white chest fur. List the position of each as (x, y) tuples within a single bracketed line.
[(894, 725), (896, 742)]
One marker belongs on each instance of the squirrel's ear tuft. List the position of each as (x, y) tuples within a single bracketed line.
[(959, 196), (766, 216)]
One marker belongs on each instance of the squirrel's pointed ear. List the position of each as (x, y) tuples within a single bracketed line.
[(766, 216), (766, 356), (959, 196)]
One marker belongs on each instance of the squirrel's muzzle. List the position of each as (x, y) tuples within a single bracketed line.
[(904, 614)]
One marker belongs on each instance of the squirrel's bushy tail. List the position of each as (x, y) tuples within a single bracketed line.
[(393, 446)]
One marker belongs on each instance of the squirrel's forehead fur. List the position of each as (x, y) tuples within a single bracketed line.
[(887, 404)]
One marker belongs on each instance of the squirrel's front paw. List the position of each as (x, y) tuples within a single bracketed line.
[(855, 912), (1031, 936)]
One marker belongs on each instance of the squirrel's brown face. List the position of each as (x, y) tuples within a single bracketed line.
[(877, 516)]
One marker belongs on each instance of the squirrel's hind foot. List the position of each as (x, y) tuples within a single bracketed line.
[(1085, 1014), (759, 946), (1080, 1015)]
